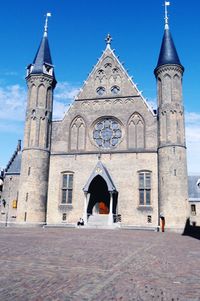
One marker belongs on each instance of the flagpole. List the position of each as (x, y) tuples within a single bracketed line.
[(166, 15), (46, 24)]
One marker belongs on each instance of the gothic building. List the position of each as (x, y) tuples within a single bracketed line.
[(112, 159)]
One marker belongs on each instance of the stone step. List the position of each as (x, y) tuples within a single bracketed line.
[(95, 226), (98, 219)]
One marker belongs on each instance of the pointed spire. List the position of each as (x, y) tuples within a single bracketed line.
[(43, 55), (108, 40), (46, 24), (168, 54), (166, 15)]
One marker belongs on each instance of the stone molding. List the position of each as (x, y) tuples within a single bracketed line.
[(166, 68)]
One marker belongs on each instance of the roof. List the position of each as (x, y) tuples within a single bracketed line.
[(14, 166), (193, 188), (168, 54), (43, 56), (100, 170)]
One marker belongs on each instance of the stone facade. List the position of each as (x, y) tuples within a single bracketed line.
[(9, 197), (110, 155), (194, 199), (173, 190)]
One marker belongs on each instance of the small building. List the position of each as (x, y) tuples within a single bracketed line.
[(194, 199), (11, 176)]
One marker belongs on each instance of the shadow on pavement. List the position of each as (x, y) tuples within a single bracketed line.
[(191, 230)]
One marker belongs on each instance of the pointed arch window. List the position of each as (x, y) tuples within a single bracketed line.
[(177, 89), (167, 89), (136, 131), (49, 99), (32, 96), (41, 101), (78, 134)]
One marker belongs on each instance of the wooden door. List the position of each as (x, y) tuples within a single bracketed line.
[(103, 209)]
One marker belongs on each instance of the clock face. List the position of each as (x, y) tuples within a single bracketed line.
[(107, 133)]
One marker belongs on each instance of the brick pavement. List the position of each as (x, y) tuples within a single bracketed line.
[(94, 265)]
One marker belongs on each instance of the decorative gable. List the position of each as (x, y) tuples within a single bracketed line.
[(100, 170), (108, 79)]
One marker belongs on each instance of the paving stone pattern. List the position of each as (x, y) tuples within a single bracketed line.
[(87, 265)]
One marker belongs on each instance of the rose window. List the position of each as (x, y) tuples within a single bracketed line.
[(107, 133)]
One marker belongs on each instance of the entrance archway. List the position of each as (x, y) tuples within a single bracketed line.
[(100, 196), (99, 201)]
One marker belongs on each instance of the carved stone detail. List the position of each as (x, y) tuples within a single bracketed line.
[(116, 101), (166, 68)]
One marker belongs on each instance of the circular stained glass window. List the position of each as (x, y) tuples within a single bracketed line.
[(107, 133)]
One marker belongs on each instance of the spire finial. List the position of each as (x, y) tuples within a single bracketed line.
[(108, 40), (46, 24), (167, 3)]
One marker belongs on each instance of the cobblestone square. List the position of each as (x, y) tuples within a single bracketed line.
[(83, 264)]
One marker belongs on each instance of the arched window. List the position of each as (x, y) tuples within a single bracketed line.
[(32, 137), (136, 131), (177, 89), (41, 96), (78, 134), (33, 96), (167, 89), (42, 132), (49, 99)]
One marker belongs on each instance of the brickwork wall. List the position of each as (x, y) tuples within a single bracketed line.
[(123, 168), (9, 194), (172, 165)]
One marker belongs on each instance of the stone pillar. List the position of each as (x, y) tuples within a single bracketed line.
[(110, 218), (86, 199)]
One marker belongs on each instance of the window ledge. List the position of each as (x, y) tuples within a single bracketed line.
[(145, 208), (65, 207)]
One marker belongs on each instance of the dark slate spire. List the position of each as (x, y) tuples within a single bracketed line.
[(168, 54), (43, 55)]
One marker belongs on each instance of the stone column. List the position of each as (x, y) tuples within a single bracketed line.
[(86, 199), (110, 218)]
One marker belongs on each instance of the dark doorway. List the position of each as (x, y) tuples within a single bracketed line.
[(99, 196)]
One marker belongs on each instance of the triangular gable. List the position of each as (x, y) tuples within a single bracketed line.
[(100, 170), (109, 79)]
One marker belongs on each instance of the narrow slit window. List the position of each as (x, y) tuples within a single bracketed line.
[(193, 209), (29, 171), (27, 197)]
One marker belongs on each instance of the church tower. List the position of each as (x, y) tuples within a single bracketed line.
[(33, 185), (172, 166)]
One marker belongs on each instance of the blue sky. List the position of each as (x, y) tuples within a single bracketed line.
[(77, 31)]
